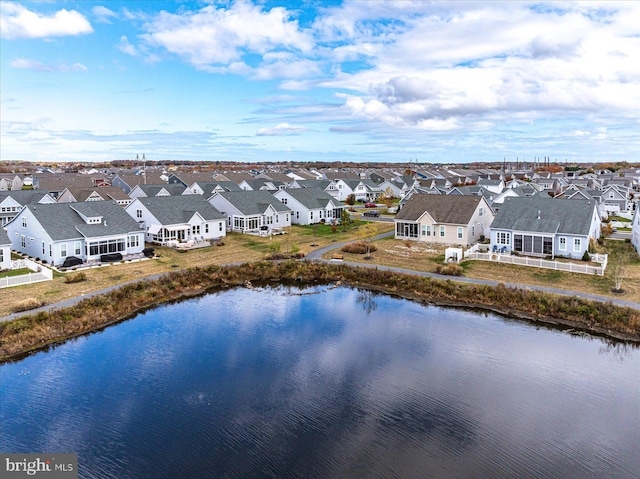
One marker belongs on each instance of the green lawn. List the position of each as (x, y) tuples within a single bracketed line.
[(15, 272)]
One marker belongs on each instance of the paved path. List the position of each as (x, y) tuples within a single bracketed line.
[(316, 255)]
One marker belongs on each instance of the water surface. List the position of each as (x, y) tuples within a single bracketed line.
[(325, 383)]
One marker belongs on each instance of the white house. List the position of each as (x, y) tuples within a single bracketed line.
[(5, 250), (310, 205), (251, 211), (539, 226), (11, 202), (177, 218), (635, 230), (89, 231)]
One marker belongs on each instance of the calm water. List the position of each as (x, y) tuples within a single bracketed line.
[(326, 383)]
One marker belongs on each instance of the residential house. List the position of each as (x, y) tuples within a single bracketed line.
[(363, 190), (147, 191), (444, 219), (11, 202), (616, 199), (251, 211), (635, 230), (128, 181), (207, 188), (177, 218), (492, 185), (103, 193), (5, 250), (53, 232), (539, 226), (10, 182), (328, 186), (310, 205)]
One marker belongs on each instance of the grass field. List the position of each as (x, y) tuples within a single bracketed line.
[(391, 252), (237, 248)]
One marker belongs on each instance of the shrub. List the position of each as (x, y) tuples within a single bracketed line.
[(76, 278), (585, 256), (359, 247), (27, 304), (449, 269)]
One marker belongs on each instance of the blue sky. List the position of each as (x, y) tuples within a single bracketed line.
[(375, 80)]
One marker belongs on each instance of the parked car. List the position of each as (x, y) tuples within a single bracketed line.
[(370, 205), (374, 213)]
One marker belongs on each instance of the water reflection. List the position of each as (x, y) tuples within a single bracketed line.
[(284, 383), (367, 299)]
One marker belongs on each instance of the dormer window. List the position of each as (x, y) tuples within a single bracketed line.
[(24, 221)]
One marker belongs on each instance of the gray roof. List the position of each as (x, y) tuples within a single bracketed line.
[(171, 210), (209, 186), (62, 221), (24, 197), (4, 238), (254, 202), (313, 183), (153, 190), (449, 209), (313, 198), (545, 215)]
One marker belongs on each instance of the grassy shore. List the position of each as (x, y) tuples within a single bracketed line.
[(36, 331)]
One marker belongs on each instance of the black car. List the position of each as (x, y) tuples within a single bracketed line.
[(375, 213)]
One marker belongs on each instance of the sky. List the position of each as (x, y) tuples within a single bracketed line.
[(376, 81)]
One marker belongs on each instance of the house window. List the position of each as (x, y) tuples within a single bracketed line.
[(576, 244), (77, 248), (441, 231), (107, 246), (424, 230), (563, 243), (50, 250), (133, 241), (481, 211), (517, 242), (1, 256), (23, 241), (459, 232), (220, 226), (206, 227), (277, 219), (63, 250), (312, 215), (24, 221), (286, 218), (429, 230), (503, 238), (473, 231), (407, 230), (284, 200), (138, 213), (43, 249), (195, 229)]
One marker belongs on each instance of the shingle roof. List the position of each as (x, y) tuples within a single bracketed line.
[(171, 210), (545, 215), (254, 202), (4, 238), (153, 190), (62, 221), (449, 209), (313, 198), (24, 197)]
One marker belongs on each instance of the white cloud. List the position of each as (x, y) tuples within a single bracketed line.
[(125, 47), (18, 22), (214, 36), (103, 14), (281, 130), (27, 64)]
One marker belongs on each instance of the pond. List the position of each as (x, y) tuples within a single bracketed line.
[(327, 382)]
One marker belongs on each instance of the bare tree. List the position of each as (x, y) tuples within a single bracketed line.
[(620, 270)]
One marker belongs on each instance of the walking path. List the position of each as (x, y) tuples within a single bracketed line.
[(316, 255)]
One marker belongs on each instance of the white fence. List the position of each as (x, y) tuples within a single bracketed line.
[(40, 273), (568, 266)]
